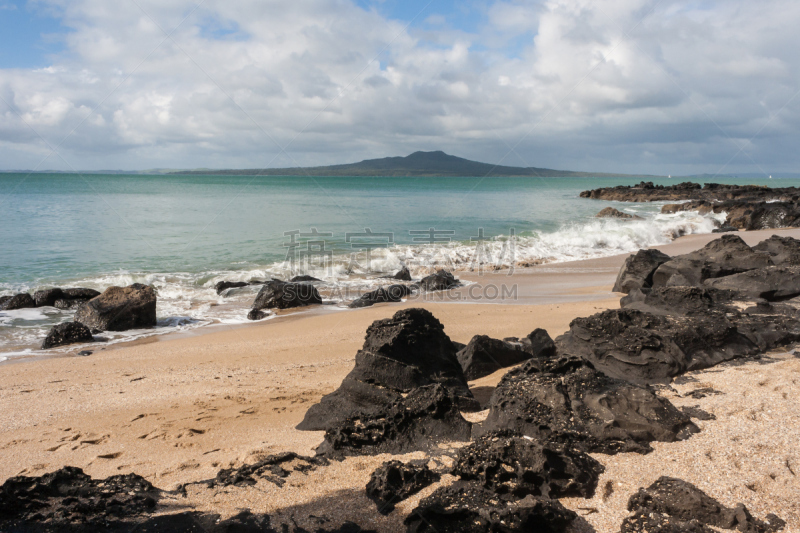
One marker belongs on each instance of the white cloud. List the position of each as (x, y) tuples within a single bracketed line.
[(630, 85)]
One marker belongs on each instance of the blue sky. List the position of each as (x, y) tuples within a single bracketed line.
[(650, 86)]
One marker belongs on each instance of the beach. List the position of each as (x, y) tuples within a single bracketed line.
[(177, 408)]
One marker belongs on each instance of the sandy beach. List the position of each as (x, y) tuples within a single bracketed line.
[(176, 409)]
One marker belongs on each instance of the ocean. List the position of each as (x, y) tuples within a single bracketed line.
[(183, 234)]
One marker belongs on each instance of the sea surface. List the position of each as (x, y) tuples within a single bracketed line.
[(183, 234)]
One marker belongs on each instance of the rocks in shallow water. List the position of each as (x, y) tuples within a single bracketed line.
[(256, 314), (610, 212), (645, 348), (484, 355), (402, 275), (393, 293), (468, 508), (304, 279), (282, 295), (18, 301), (223, 286), (568, 401), (427, 416), (514, 467), (637, 272), (400, 354), (120, 309), (673, 505), (771, 283), (67, 333), (725, 229), (65, 304), (722, 257), (69, 500), (80, 294), (394, 481), (47, 297), (440, 281)]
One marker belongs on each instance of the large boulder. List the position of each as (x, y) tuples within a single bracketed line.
[(120, 309), (782, 250), (64, 298), (466, 507), (286, 295), (394, 481), (400, 354), (772, 283), (723, 257), (428, 416), (67, 333), (568, 401), (646, 348), (688, 301), (47, 297), (440, 281), (393, 293), (637, 272), (18, 301), (673, 505), (484, 355), (515, 467)]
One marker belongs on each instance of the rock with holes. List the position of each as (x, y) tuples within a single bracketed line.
[(672, 504), (466, 507), (120, 309), (67, 333), (514, 467), (395, 481), (400, 354), (637, 272), (568, 401), (484, 355)]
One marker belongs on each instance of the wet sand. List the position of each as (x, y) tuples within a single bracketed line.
[(179, 409)]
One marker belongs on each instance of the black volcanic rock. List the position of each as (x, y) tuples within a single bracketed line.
[(514, 467), (394, 481), (648, 192), (67, 333), (538, 343), (426, 417), (80, 293), (684, 301), (223, 286), (68, 500), (772, 283), (784, 251), (273, 468), (285, 295), (484, 355), (610, 212), (393, 293), (401, 275), (440, 281), (673, 505), (120, 309), (72, 303), (304, 279), (18, 301), (723, 257), (400, 354), (468, 508), (47, 297), (637, 272), (568, 401), (646, 348)]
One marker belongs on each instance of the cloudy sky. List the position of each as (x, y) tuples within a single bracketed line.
[(609, 85)]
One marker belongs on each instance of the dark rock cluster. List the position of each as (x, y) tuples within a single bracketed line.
[(120, 309), (394, 481), (392, 293)]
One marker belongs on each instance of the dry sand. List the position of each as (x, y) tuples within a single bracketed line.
[(178, 409)]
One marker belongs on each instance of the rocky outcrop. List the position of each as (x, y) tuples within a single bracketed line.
[(304, 279), (682, 301), (120, 309), (64, 298), (69, 500), (648, 192), (610, 212), (394, 481), (638, 270), (468, 508), (514, 467), (67, 333), (722, 257), (402, 275), (484, 355), (772, 283), (783, 251), (672, 504), (645, 348), (426, 417), (400, 354), (393, 293), (18, 301), (440, 281), (285, 295), (568, 401), (223, 286)]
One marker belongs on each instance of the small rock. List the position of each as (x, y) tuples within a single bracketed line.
[(394, 481), (18, 301), (67, 333)]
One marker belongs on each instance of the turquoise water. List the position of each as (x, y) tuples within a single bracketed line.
[(184, 233)]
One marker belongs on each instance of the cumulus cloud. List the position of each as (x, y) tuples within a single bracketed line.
[(626, 85)]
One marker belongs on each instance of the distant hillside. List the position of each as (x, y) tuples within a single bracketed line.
[(416, 164)]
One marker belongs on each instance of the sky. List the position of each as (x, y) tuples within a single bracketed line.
[(636, 86)]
